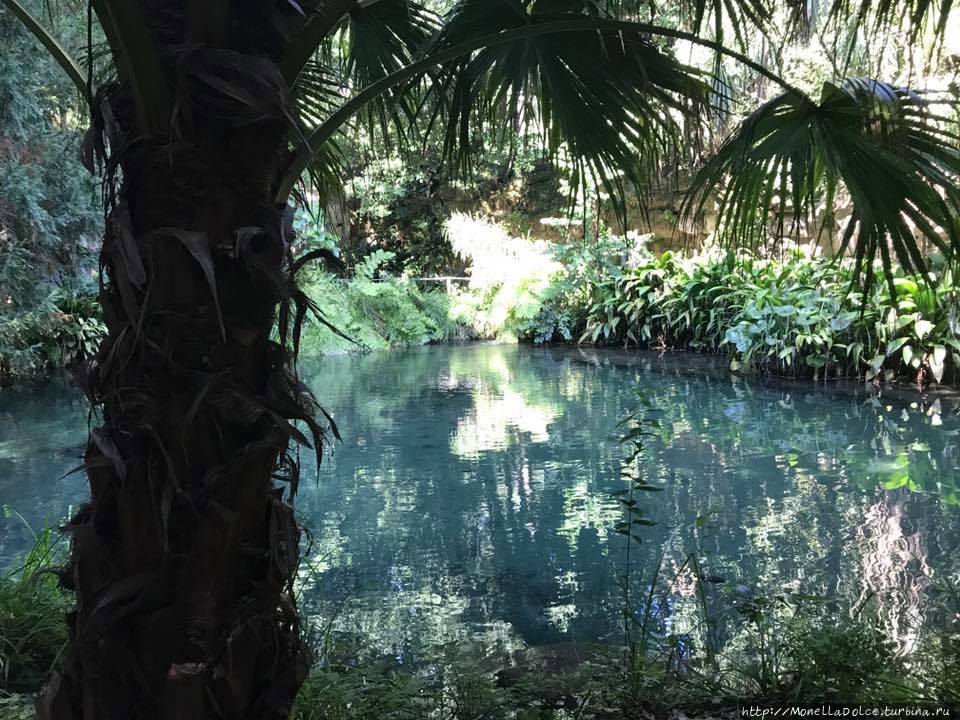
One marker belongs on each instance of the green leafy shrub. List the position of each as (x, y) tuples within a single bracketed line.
[(375, 310), (363, 695), (395, 307), (60, 330), (32, 627), (472, 696), (799, 316), (550, 323), (938, 660), (509, 278), (795, 650), (848, 662), (399, 203)]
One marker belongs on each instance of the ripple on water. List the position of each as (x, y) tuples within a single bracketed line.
[(469, 504)]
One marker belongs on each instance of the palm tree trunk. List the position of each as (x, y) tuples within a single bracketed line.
[(183, 561)]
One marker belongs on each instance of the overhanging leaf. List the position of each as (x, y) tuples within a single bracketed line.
[(439, 56), (53, 46), (884, 146)]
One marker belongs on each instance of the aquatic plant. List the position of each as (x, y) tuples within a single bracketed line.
[(795, 649), (637, 627)]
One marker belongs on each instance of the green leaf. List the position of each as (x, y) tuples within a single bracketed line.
[(884, 145), (937, 362), (897, 480), (52, 45), (895, 345), (908, 354), (875, 365), (315, 30)]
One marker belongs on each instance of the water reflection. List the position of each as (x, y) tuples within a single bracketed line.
[(895, 571), (42, 435), (469, 507), (488, 488)]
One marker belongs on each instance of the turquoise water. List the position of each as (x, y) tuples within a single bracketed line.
[(469, 505)]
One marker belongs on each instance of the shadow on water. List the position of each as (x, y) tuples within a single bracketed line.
[(468, 508), (470, 503)]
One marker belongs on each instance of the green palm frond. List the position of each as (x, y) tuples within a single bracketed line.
[(670, 84), (740, 16), (378, 39), (324, 178), (319, 90), (382, 38), (886, 148), (321, 21), (874, 17), (879, 16), (602, 97)]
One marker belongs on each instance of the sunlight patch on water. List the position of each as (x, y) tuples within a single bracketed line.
[(469, 509)]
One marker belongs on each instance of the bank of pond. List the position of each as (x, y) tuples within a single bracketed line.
[(465, 559), (799, 315)]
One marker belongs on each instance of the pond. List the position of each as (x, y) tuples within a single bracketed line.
[(469, 508)]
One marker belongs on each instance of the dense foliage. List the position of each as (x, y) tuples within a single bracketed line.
[(32, 633), (209, 119), (799, 316), (384, 189), (49, 214), (374, 310)]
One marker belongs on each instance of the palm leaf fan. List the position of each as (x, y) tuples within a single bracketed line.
[(603, 98), (382, 38), (918, 17), (893, 154)]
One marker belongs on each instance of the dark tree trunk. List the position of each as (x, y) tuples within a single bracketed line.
[(183, 561)]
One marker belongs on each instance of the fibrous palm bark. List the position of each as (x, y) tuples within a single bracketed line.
[(184, 559)]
